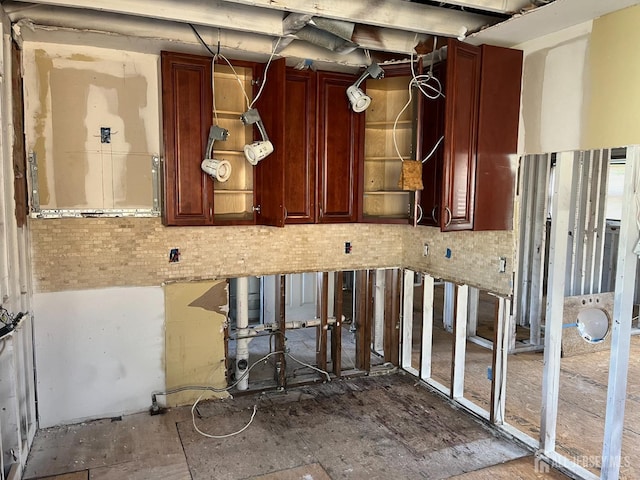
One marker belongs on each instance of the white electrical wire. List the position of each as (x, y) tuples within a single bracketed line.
[(220, 390), (264, 80), (433, 150), (432, 92), (244, 92), (310, 366), (208, 435)]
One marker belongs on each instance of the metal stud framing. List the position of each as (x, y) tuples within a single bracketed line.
[(622, 317), (558, 249)]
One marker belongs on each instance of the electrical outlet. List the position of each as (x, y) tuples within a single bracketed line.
[(105, 135), (425, 250), (347, 247), (502, 264)]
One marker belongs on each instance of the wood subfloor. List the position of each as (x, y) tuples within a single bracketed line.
[(382, 427), (581, 404)]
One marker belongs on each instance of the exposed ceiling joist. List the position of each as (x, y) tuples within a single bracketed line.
[(42, 13), (212, 13), (146, 35), (395, 14)]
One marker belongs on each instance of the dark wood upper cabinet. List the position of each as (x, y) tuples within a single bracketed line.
[(339, 151), (498, 119), (431, 130), (469, 181), (461, 121), (252, 195), (313, 175), (300, 146), (270, 172), (186, 115)]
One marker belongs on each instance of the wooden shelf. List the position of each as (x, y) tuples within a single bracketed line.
[(228, 152), (229, 113), (382, 159), (386, 192), (389, 124), (234, 192)]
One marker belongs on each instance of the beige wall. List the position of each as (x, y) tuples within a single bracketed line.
[(614, 68), (79, 253), (580, 86)]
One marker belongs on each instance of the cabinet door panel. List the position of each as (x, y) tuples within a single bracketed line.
[(270, 172), (300, 152), (497, 138), (463, 78), (339, 150), (186, 114), (431, 129)]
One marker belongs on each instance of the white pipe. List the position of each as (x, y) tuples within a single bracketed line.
[(242, 324)]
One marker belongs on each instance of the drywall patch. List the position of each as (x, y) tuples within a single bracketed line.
[(98, 352), (194, 338)]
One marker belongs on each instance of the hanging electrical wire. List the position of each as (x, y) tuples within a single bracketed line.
[(431, 88), (220, 55), (264, 80), (217, 55)]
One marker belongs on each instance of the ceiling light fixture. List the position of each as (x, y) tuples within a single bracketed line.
[(359, 100), (218, 169), (256, 151)]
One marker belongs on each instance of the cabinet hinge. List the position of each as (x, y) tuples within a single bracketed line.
[(256, 209)]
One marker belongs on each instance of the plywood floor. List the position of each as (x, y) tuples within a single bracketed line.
[(365, 428), (582, 399)]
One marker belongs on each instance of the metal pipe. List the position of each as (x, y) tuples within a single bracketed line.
[(242, 325), (273, 327)]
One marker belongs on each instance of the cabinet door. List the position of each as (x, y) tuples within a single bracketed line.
[(497, 138), (186, 115), (430, 131), (339, 150), (270, 172), (300, 146), (461, 114)]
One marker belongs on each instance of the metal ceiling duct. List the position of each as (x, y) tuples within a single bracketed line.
[(334, 35)]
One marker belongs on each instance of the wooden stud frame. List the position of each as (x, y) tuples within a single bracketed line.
[(460, 342), (362, 319), (407, 323), (427, 327), (392, 316), (499, 362), (281, 302), (322, 285), (336, 329), (378, 307)]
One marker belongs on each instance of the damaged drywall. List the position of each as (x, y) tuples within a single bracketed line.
[(71, 95)]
